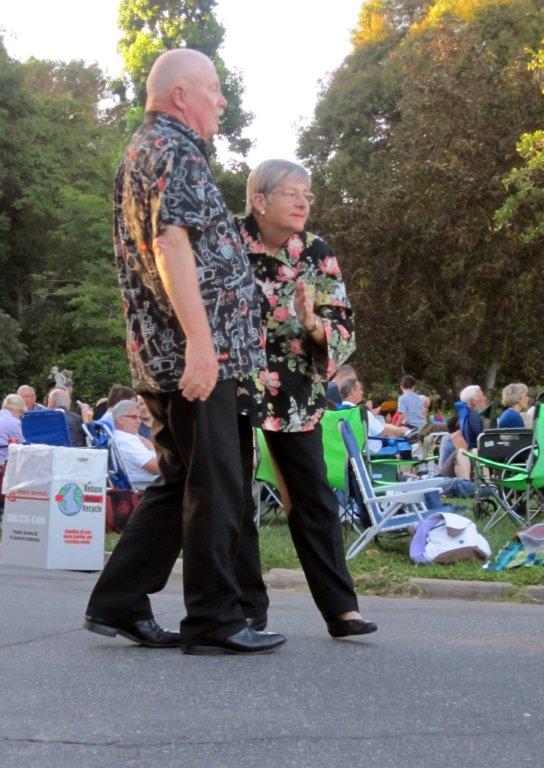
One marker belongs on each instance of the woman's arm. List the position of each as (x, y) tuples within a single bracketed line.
[(331, 305)]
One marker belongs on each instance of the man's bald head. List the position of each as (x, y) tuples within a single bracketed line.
[(179, 67), (183, 83)]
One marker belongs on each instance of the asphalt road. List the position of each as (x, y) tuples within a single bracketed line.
[(444, 683)]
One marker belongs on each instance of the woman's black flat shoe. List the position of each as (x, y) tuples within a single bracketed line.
[(347, 627)]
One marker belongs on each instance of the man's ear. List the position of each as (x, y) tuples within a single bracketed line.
[(178, 94)]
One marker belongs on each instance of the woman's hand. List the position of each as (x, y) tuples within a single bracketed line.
[(304, 304), (304, 308)]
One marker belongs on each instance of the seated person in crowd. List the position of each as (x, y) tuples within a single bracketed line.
[(515, 397), (474, 399), (29, 396), (12, 409), (410, 407), (146, 423), (100, 408), (452, 462), (351, 393), (333, 387), (138, 454), (117, 393), (386, 410), (60, 399)]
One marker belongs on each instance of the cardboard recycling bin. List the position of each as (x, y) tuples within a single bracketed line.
[(54, 514)]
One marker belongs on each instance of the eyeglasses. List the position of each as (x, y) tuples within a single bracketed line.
[(131, 416), (292, 196)]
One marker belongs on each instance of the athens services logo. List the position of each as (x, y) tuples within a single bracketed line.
[(70, 499)]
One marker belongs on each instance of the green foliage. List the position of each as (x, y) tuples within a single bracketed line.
[(523, 210), (12, 353), (232, 183), (94, 369), (408, 146), (93, 305)]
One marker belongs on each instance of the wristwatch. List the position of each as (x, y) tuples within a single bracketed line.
[(315, 326)]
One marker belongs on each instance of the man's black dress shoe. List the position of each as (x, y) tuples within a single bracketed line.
[(258, 623), (145, 632), (347, 627), (246, 641)]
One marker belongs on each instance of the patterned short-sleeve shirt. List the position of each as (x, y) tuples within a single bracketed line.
[(288, 395), (165, 179)]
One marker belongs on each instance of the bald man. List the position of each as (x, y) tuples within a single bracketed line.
[(193, 328)]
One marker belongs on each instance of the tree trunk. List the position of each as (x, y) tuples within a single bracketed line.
[(491, 375)]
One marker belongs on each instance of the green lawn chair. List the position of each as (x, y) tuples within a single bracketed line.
[(335, 455), (268, 502), (518, 491)]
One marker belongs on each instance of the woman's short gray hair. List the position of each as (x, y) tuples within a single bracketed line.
[(269, 174), (512, 394)]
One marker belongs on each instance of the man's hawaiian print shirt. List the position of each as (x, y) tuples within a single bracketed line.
[(164, 180)]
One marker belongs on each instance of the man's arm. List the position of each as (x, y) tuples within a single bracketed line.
[(177, 269), (393, 430), (152, 466)]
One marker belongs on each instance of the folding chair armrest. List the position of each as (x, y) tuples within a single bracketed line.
[(409, 497), (424, 484), (428, 483), (514, 468)]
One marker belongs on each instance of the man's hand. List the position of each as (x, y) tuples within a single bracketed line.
[(201, 370), (86, 412)]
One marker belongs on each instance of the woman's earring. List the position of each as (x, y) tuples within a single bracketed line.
[(262, 213)]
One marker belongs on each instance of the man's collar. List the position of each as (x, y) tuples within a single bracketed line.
[(169, 121)]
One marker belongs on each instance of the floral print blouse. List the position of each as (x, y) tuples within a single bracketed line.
[(289, 395)]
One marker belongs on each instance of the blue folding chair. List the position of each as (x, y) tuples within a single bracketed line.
[(47, 426), (99, 435)]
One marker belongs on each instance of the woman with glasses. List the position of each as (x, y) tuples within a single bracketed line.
[(309, 332)]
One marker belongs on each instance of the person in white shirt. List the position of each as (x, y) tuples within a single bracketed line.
[(351, 392), (137, 452)]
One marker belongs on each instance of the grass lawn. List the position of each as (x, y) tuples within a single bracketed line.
[(384, 568)]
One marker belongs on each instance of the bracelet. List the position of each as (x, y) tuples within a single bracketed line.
[(314, 327)]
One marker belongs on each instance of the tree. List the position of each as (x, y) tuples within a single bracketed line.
[(523, 210), (12, 353), (408, 145), (15, 111), (151, 27)]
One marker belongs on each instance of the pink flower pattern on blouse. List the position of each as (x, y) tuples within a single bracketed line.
[(289, 396)]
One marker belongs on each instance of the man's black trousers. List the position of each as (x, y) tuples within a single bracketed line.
[(205, 454)]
